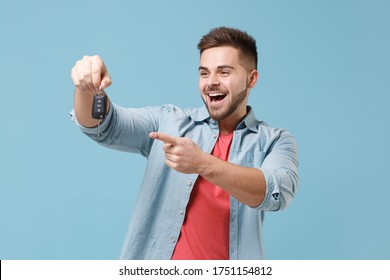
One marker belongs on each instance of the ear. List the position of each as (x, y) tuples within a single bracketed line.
[(252, 79)]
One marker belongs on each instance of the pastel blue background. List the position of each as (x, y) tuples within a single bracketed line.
[(324, 75)]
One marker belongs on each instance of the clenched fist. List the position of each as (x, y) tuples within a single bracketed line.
[(90, 74)]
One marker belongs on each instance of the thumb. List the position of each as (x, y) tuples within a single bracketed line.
[(106, 80)]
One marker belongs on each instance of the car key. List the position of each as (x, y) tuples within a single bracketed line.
[(99, 108)]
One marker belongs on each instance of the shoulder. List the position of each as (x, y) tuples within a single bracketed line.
[(263, 130), (277, 138), (196, 114)]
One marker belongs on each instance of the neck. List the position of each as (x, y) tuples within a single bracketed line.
[(229, 124)]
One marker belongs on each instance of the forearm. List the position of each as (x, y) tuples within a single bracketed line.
[(246, 184), (278, 175)]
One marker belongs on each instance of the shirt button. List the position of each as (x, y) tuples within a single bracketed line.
[(173, 239), (189, 183), (215, 136)]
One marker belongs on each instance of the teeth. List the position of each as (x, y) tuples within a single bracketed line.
[(216, 94)]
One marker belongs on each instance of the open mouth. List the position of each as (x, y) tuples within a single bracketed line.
[(217, 96)]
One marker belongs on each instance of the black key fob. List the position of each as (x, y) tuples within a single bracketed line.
[(99, 106)]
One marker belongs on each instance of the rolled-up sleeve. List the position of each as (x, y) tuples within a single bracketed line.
[(280, 169)]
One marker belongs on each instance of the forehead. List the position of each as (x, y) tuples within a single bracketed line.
[(217, 56)]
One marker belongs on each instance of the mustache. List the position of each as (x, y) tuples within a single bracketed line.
[(216, 89)]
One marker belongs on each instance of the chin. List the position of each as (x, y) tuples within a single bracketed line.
[(221, 114)]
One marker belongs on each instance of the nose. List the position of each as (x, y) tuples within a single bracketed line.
[(213, 80)]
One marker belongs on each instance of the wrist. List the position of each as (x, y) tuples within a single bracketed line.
[(206, 165)]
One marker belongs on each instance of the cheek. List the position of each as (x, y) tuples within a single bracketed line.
[(238, 85), (201, 85)]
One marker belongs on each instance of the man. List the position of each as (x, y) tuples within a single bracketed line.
[(212, 171)]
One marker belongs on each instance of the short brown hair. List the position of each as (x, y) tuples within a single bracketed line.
[(226, 36)]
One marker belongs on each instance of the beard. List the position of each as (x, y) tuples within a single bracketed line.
[(219, 114)]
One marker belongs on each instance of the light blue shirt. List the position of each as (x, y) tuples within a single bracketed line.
[(164, 194)]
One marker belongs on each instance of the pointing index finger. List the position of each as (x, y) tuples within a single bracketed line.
[(166, 138)]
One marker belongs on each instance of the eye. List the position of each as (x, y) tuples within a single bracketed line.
[(203, 74), (224, 73)]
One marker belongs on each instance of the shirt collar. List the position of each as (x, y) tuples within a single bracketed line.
[(201, 114), (249, 121)]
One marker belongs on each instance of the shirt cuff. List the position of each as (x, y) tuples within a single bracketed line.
[(271, 199)]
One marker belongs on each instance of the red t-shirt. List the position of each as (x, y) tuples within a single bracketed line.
[(205, 232)]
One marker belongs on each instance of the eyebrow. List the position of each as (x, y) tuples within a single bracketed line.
[(219, 67)]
